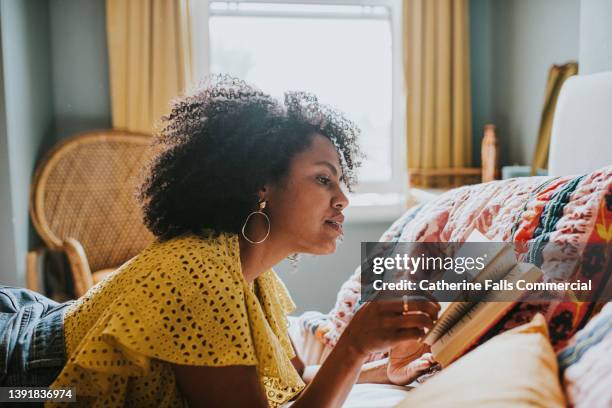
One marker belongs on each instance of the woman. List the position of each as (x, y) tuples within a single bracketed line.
[(239, 183)]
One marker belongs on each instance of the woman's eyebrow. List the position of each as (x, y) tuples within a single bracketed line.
[(328, 164)]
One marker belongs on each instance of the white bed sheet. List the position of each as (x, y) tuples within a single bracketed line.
[(373, 396), (362, 395)]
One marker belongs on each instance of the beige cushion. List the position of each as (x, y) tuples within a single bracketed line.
[(515, 369)]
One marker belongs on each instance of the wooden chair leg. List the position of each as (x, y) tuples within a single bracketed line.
[(33, 275), (81, 273)]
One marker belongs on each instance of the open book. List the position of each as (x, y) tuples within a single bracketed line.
[(462, 323)]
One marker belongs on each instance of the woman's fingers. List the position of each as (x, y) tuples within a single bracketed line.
[(431, 308), (397, 306), (429, 357), (382, 324), (416, 319), (412, 333)]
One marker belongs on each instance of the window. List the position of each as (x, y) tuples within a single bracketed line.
[(344, 53)]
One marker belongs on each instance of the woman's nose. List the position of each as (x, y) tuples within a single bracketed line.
[(340, 200)]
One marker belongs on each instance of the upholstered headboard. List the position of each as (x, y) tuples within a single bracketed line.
[(581, 139)]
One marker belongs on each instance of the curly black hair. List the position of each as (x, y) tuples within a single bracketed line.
[(220, 145)]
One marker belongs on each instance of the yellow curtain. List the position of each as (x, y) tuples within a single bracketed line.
[(149, 46), (557, 75), (437, 76)]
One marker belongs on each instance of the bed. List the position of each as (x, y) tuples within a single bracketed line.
[(581, 142)]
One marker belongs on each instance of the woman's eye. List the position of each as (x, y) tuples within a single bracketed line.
[(323, 180)]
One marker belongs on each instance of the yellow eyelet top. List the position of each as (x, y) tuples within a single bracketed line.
[(183, 301)]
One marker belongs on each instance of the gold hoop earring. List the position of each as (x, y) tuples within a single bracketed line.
[(262, 205)]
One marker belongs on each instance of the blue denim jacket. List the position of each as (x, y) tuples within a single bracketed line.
[(32, 350)]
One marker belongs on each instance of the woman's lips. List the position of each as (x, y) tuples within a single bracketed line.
[(336, 226)]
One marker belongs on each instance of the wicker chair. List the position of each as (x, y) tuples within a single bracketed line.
[(82, 202)]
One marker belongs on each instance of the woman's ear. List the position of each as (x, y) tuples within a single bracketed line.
[(262, 193)]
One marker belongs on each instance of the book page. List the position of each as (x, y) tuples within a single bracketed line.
[(500, 261), (478, 319), (449, 317)]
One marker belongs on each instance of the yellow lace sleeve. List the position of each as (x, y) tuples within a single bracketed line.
[(186, 315), (281, 292), (277, 303), (186, 310), (185, 302)]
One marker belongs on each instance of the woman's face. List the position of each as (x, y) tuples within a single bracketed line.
[(305, 209)]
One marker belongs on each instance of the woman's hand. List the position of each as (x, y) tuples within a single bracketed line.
[(380, 325), (377, 326), (407, 361)]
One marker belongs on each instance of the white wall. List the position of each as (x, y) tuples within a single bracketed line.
[(54, 84), (8, 255), (481, 67), (315, 283), (514, 43), (28, 130), (81, 95), (595, 36)]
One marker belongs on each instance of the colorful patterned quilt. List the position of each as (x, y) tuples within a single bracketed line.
[(563, 210)]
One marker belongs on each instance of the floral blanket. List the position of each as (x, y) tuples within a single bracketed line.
[(564, 210)]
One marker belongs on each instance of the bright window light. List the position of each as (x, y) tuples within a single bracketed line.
[(342, 55)]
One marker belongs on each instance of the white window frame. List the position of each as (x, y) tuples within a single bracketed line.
[(371, 201)]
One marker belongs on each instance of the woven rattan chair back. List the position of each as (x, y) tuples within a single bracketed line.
[(84, 189)]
